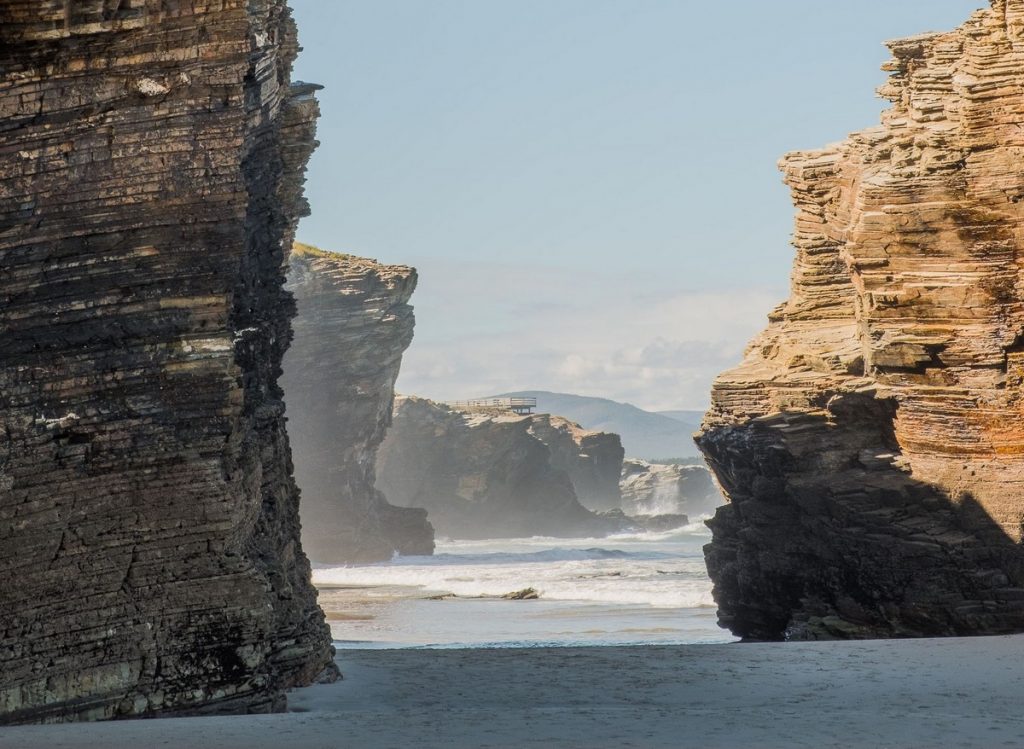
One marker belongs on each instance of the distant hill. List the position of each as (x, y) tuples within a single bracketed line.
[(692, 418), (647, 435)]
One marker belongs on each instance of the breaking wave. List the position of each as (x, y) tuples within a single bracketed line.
[(658, 570)]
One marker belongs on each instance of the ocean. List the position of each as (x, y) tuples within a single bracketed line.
[(649, 588)]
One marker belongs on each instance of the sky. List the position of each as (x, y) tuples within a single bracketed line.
[(588, 188)]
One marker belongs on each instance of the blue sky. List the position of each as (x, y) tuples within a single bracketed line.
[(587, 187)]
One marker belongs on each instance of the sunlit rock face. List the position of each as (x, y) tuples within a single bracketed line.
[(150, 179), (485, 475), (354, 322), (871, 442)]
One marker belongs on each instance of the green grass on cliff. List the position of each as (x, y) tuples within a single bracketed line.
[(307, 250)]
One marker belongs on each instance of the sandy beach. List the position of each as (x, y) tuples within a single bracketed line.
[(920, 693)]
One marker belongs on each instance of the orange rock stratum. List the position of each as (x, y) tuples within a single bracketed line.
[(872, 440)]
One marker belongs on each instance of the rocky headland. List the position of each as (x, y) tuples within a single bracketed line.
[(870, 443), (658, 489), (493, 475), (354, 322), (591, 459), (152, 169)]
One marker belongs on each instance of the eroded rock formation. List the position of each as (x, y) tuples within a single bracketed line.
[(487, 475), (150, 179), (654, 489), (354, 322), (871, 441), (592, 460)]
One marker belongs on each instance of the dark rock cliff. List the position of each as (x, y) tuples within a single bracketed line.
[(354, 322), (870, 442), (150, 178)]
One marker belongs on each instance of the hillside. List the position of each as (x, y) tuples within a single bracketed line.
[(690, 418), (644, 434)]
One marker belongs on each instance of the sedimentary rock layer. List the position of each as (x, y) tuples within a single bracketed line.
[(151, 160), (486, 475), (354, 322), (871, 442)]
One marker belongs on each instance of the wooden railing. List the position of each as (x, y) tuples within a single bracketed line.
[(516, 405)]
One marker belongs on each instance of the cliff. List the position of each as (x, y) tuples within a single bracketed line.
[(653, 489), (592, 460), (354, 322), (486, 475), (152, 168), (870, 442)]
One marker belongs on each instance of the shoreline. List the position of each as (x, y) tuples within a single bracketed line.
[(960, 692), (649, 589)]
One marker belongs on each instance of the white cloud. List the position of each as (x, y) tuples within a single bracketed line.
[(490, 328)]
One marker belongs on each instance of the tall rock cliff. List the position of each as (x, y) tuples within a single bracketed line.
[(150, 181), (870, 442), (485, 475), (354, 322)]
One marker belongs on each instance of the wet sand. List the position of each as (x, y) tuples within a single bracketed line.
[(923, 693)]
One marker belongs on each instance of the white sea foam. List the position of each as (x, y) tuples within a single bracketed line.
[(687, 537), (658, 570), (632, 583)]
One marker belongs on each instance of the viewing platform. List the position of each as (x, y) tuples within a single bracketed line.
[(520, 406)]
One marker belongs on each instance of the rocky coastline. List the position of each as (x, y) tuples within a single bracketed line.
[(503, 475)]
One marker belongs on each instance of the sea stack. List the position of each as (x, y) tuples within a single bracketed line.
[(870, 443), (354, 323), (150, 186)]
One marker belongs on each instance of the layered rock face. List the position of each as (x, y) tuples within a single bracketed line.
[(870, 443), (652, 489), (354, 322), (151, 179), (482, 475)]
